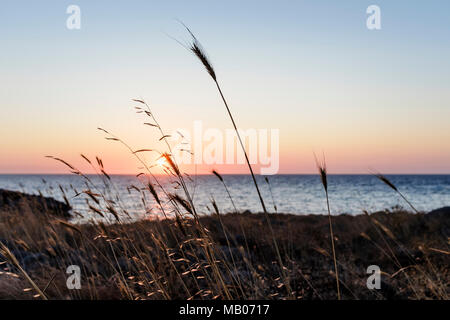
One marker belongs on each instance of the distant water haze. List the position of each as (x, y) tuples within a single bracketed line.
[(297, 194)]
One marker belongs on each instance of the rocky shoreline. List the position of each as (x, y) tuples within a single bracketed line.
[(14, 200), (394, 240)]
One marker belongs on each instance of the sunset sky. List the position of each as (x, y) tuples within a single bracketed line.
[(375, 99)]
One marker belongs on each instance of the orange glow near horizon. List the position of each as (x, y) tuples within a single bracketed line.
[(357, 161), (392, 151)]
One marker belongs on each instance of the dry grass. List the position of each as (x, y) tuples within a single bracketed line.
[(322, 168), (170, 259)]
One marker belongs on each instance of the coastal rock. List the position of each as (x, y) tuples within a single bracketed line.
[(441, 218), (38, 204), (441, 212)]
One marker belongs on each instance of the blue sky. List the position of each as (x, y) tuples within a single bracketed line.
[(310, 68)]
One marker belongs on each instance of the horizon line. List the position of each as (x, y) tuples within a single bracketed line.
[(222, 174)]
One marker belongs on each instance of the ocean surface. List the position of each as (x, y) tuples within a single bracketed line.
[(298, 194)]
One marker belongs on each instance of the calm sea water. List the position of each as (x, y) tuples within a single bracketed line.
[(299, 194)]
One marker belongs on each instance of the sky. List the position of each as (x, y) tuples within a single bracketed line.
[(367, 99)]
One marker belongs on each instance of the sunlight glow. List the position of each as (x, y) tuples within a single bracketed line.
[(162, 162)]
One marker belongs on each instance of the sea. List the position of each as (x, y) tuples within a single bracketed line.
[(295, 194)]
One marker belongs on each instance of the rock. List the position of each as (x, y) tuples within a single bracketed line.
[(38, 204), (441, 212), (439, 219)]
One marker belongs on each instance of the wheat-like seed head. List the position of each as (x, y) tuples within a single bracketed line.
[(385, 180), (322, 168), (217, 175), (196, 48)]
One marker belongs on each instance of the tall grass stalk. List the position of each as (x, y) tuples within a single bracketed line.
[(321, 166), (386, 181), (235, 209), (197, 49)]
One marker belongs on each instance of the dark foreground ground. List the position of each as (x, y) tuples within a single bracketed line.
[(219, 257)]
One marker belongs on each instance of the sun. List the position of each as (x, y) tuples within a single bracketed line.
[(161, 162)]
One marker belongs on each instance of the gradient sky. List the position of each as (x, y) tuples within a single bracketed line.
[(368, 99)]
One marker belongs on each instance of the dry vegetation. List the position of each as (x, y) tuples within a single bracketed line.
[(212, 258)]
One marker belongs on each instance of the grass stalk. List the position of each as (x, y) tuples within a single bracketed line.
[(321, 166), (198, 51)]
